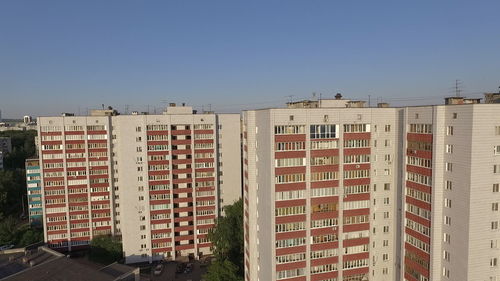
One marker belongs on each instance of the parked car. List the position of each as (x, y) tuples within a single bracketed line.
[(189, 268), (158, 269), (6, 247), (180, 268)]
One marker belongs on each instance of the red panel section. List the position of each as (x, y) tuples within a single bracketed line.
[(418, 219), (325, 168), (290, 203), (419, 170), (352, 167), (320, 184), (291, 234), (356, 227), (419, 137), (357, 151), (290, 186), (356, 136), (291, 265), (324, 152), (290, 170), (289, 154), (357, 197), (295, 218), (327, 199), (290, 250), (289, 138)]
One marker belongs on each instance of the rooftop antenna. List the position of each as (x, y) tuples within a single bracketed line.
[(458, 83), (126, 109), (103, 106), (369, 101), (164, 102), (314, 96)]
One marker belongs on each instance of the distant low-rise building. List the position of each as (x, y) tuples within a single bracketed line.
[(5, 145)]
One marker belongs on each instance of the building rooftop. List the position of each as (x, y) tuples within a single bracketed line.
[(44, 264)]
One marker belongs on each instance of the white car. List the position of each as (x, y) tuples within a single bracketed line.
[(6, 247), (158, 269)]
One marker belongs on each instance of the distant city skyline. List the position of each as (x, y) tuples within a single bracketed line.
[(66, 57)]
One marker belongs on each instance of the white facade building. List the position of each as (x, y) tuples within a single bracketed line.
[(159, 181)]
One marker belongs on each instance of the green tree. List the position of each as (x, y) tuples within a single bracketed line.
[(30, 236), (12, 192), (8, 231), (227, 245), (223, 271), (106, 249), (23, 147)]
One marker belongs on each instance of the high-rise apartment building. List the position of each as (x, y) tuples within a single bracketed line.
[(158, 181), (334, 191), (34, 192), (452, 175), (320, 192)]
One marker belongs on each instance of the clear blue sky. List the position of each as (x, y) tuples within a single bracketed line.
[(58, 56)]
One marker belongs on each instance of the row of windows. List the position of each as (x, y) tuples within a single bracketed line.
[(426, 214), (290, 162), (290, 273), (420, 145), (420, 228), (356, 219), (356, 263), (421, 128), (324, 191), (323, 268), (417, 194), (324, 176), (356, 189), (418, 178), (356, 143), (420, 162), (417, 243), (360, 158), (290, 242), (290, 258), (356, 174), (290, 178), (288, 211), (290, 195)]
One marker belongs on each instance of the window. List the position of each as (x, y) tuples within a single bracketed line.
[(497, 130), (387, 128), (447, 203), (449, 148), (455, 115), (496, 149), (493, 262), (323, 131), (494, 225), (356, 128), (446, 255), (387, 186), (447, 220), (496, 169), (496, 187), (289, 129), (449, 167), (446, 238), (494, 207), (290, 118), (449, 131), (421, 128), (448, 185)]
